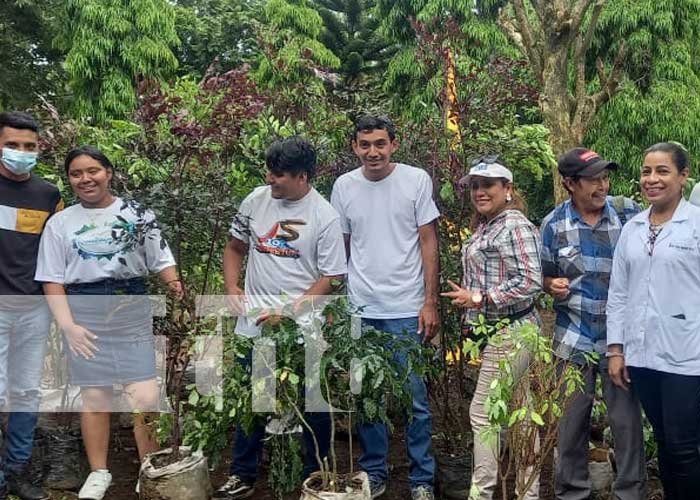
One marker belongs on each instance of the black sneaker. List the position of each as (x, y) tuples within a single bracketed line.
[(377, 487), (235, 489), (20, 486)]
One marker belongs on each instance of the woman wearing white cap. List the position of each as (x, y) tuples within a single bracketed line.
[(502, 276)]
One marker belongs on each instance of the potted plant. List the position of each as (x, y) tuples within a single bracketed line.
[(360, 376), (528, 406), (356, 375)]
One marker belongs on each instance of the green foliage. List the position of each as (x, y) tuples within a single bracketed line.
[(356, 375), (351, 32), (292, 51), (659, 99), (221, 33), (286, 464), (30, 64), (112, 45), (528, 397), (425, 28)]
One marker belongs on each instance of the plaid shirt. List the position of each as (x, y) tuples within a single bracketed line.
[(502, 260), (573, 249)]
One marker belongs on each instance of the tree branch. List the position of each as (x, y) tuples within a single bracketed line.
[(584, 40), (610, 82), (512, 32), (578, 14), (583, 43), (528, 41)]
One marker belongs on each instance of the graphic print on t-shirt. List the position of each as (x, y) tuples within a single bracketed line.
[(103, 241), (276, 240)]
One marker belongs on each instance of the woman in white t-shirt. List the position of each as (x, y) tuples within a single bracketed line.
[(93, 260)]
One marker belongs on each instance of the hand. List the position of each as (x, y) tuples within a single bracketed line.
[(559, 288), (80, 341), (460, 296), (176, 289), (428, 321), (618, 372), (235, 300), (271, 317)]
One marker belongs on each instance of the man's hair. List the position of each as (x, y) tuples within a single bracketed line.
[(367, 123), (294, 155), (90, 151), (18, 120), (678, 152)]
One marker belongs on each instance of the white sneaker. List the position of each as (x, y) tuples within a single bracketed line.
[(95, 485)]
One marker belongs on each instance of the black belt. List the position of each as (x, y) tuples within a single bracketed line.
[(520, 314)]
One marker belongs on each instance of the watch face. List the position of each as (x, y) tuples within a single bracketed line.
[(477, 298)]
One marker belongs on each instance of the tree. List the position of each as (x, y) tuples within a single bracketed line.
[(219, 32), (111, 45), (293, 51), (658, 99), (351, 32), (556, 37), (473, 37), (31, 66)]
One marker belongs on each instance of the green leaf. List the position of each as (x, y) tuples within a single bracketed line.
[(537, 418), (193, 398), (447, 192)]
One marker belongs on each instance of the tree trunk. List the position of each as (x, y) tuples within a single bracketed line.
[(556, 105), (561, 141)]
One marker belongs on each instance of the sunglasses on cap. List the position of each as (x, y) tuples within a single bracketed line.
[(487, 159)]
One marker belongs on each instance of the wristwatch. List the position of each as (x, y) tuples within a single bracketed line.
[(611, 354), (477, 299)]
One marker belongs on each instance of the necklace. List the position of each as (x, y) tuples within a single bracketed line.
[(654, 231)]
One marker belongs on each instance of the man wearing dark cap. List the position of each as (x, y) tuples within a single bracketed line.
[(578, 241)]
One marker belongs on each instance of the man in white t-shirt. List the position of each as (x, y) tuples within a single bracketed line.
[(388, 217), (294, 244)]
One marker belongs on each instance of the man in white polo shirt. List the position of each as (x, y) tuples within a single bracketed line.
[(388, 217)]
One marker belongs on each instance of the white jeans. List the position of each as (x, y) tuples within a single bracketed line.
[(485, 474)]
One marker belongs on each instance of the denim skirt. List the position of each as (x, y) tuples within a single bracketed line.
[(119, 313)]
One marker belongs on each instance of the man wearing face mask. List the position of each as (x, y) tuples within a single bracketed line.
[(26, 203), (578, 241)]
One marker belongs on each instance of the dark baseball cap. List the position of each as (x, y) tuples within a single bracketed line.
[(582, 162)]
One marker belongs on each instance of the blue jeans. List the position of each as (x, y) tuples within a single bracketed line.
[(247, 448), (23, 336), (374, 438)]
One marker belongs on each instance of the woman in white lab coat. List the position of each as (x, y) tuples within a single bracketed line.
[(654, 316)]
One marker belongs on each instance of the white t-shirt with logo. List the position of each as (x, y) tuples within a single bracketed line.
[(291, 245), (84, 245), (385, 271)]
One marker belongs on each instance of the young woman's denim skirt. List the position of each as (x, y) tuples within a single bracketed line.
[(119, 313)]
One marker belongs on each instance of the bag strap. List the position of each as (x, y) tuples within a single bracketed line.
[(618, 203)]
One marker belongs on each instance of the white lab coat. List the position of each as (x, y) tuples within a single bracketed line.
[(653, 305)]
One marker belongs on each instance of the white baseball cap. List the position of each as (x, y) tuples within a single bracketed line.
[(486, 167)]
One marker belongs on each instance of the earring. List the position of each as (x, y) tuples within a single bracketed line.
[(509, 198)]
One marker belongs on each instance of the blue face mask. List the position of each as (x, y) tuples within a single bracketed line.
[(19, 162)]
